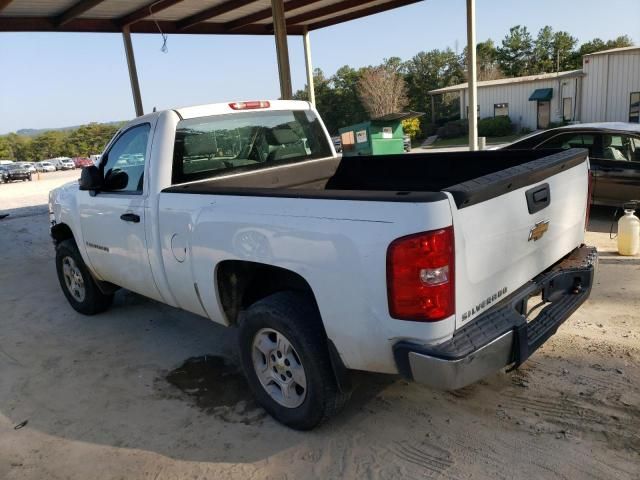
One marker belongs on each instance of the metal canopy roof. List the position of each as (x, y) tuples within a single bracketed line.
[(253, 17)]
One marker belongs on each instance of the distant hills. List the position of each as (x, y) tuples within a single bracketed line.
[(34, 132)]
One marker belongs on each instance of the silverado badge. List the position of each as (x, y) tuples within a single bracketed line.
[(538, 230)]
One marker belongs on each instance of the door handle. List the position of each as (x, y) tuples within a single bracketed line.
[(130, 217), (538, 198)]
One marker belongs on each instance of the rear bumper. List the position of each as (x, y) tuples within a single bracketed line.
[(502, 336)]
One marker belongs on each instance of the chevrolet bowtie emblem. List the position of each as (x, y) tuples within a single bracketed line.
[(538, 230)]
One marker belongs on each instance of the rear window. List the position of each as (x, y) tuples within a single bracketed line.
[(222, 144)]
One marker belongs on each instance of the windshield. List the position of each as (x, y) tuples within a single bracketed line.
[(222, 144), (15, 167)]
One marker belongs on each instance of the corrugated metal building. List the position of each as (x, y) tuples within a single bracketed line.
[(607, 88), (611, 79)]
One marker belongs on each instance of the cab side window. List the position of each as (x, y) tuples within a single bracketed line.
[(123, 165), (621, 148), (572, 140)]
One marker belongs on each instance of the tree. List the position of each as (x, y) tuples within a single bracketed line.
[(598, 45), (48, 145), (543, 59), (515, 53), (6, 152), (486, 61), (89, 139), (564, 45), (553, 51), (382, 90), (337, 99), (428, 71)]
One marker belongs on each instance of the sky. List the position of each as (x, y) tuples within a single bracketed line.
[(50, 80)]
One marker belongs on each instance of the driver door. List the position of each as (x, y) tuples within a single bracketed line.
[(113, 219)]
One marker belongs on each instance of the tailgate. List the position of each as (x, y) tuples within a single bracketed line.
[(511, 225)]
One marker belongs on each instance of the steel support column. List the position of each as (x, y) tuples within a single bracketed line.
[(282, 49), (307, 61), (133, 73), (472, 75)]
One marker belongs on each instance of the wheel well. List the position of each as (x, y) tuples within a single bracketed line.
[(61, 232), (241, 284)]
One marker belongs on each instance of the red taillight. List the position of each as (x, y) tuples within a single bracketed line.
[(592, 180), (250, 105), (420, 276)]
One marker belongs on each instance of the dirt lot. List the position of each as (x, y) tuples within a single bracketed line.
[(101, 400)]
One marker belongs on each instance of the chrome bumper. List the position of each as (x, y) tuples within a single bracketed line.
[(502, 336)]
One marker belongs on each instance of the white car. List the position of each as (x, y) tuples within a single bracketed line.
[(45, 167), (29, 166), (66, 164), (418, 264)]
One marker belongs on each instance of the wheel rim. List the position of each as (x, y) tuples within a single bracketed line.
[(73, 279), (278, 367)]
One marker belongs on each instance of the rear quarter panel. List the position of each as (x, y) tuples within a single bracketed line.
[(338, 246)]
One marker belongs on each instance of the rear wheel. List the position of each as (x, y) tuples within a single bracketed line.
[(286, 361), (76, 282)]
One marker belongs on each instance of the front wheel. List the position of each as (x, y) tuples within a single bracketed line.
[(76, 282), (284, 355)]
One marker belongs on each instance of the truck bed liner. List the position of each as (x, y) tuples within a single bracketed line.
[(470, 177)]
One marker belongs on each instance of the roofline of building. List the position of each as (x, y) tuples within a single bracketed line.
[(613, 50), (506, 81)]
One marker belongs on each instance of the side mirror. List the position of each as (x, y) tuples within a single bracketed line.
[(116, 180), (90, 179)]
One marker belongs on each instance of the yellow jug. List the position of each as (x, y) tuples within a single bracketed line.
[(629, 234)]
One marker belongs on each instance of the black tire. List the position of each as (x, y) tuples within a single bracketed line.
[(93, 301), (296, 317)]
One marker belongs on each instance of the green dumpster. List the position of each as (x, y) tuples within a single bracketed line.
[(378, 136)]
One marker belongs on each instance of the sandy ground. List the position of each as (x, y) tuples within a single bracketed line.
[(100, 399)]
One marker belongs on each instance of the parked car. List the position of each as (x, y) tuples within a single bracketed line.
[(407, 143), (393, 264), (65, 163), (16, 171), (614, 156), (81, 162), (45, 166), (4, 174), (29, 166)]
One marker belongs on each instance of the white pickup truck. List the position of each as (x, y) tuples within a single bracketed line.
[(420, 264)]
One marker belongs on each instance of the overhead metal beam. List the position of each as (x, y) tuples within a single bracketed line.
[(282, 49), (328, 10), (133, 72), (75, 11), (267, 13), (211, 12), (472, 74), (105, 25), (4, 4), (146, 11), (364, 12), (311, 90)]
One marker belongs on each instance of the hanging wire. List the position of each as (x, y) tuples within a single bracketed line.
[(164, 48)]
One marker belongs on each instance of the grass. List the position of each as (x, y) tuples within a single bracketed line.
[(463, 141)]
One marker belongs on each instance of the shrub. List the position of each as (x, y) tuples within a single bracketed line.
[(456, 128), (495, 126), (428, 129), (411, 127)]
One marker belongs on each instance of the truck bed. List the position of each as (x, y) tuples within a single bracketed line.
[(470, 177)]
